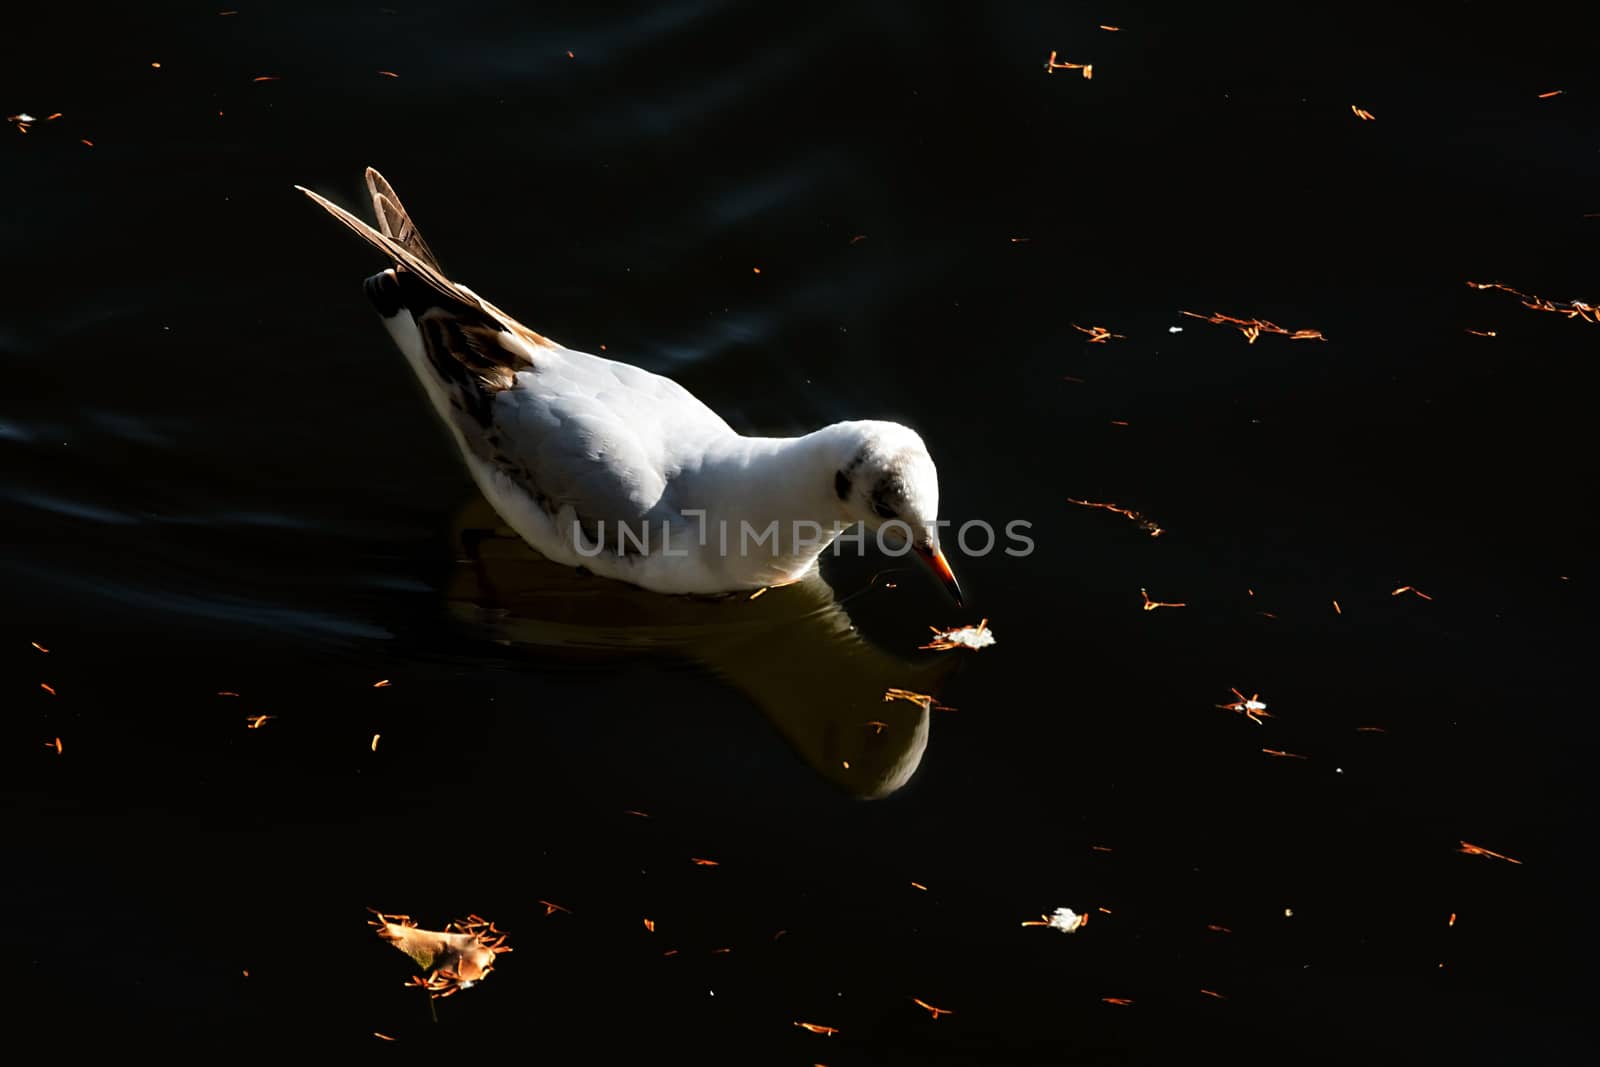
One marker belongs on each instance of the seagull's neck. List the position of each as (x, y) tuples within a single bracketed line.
[(789, 481)]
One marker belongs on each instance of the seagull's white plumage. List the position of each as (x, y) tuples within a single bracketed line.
[(604, 465)]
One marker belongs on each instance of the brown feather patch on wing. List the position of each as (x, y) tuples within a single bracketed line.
[(476, 347)]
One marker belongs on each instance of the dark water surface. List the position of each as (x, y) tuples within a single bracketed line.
[(220, 476)]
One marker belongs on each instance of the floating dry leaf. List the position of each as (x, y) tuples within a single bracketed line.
[(460, 955)]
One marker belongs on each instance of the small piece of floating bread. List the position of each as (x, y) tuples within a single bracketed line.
[(1064, 919), (974, 637)]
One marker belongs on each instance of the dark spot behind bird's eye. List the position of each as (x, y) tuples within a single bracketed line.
[(841, 485)]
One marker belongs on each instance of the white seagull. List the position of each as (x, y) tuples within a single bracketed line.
[(603, 465)]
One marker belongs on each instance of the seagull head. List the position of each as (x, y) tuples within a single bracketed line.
[(889, 483)]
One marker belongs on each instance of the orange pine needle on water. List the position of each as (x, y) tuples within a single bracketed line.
[(1147, 525), (1362, 113), (266, 78), (1411, 589), (380, 684), (919, 885), (256, 722), (912, 697), (47, 688), (551, 908), (1552, 92), (1051, 66), (650, 924), (1254, 328), (37, 645), (930, 1009), (818, 1028), (1122, 1002), (1283, 755), (1099, 334), (1213, 993), (56, 744), (1151, 605), (388, 74), (1482, 333), (1479, 850), (375, 741), (1572, 309), (703, 863)]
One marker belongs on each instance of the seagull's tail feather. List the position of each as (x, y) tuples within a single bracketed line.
[(397, 237), (395, 221), (399, 245)]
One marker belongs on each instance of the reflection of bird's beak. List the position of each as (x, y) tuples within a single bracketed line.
[(940, 566)]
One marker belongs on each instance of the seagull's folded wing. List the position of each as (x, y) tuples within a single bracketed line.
[(574, 449)]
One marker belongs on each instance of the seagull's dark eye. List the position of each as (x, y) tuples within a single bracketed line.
[(883, 511)]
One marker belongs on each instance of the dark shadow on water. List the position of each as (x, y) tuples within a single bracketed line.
[(793, 651)]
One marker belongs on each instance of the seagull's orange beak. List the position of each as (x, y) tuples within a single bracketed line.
[(941, 566)]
